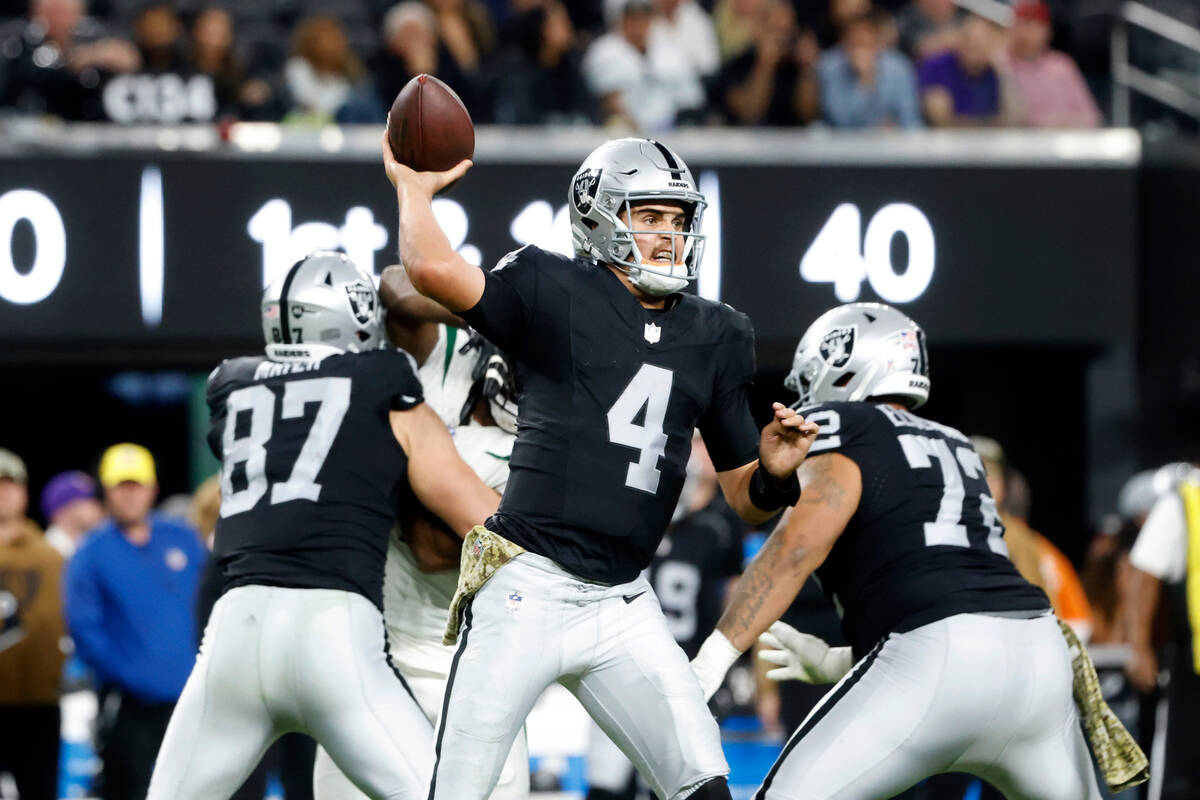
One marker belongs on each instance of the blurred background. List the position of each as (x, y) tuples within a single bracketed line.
[(1021, 179)]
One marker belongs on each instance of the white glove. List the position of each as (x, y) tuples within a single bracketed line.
[(802, 657), (713, 660)]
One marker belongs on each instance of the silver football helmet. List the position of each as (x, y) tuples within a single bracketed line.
[(324, 304), (859, 351), (615, 177)]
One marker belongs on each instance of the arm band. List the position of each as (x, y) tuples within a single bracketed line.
[(768, 493)]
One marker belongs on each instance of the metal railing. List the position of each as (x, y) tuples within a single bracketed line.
[(1128, 79)]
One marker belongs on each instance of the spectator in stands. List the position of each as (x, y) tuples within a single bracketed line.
[(961, 87), (58, 63), (166, 90), (639, 86), (929, 27), (238, 93), (31, 633), (774, 82), (1164, 566), (684, 25), (410, 47), (1048, 88), (828, 26), (326, 80), (71, 510), (540, 79), (130, 594), (466, 31), (864, 85), (736, 22)]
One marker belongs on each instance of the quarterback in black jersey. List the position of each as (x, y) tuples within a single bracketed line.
[(319, 442), (956, 663), (617, 367)]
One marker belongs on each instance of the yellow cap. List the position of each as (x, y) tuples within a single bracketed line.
[(127, 462)]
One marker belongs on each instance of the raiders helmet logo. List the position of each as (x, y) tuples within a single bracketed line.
[(362, 301), (583, 191), (837, 346)]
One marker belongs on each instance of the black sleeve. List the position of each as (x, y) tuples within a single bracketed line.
[(727, 425), (397, 371), (214, 394), (503, 312), (844, 429)]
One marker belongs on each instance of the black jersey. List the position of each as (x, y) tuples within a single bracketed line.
[(691, 570), (926, 542), (610, 395), (311, 472)]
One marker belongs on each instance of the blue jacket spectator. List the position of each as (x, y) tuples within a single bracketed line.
[(864, 86), (130, 601), (130, 607)]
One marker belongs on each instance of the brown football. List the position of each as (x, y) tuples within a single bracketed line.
[(429, 127)]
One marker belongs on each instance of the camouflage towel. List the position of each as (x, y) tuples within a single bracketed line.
[(483, 552), (1121, 761)]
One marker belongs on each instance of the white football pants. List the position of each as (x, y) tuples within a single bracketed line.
[(276, 660), (329, 783), (533, 624), (975, 693)]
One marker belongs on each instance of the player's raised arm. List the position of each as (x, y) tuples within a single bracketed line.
[(757, 490), (433, 266), (439, 477)]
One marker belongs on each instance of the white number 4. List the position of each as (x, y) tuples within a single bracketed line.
[(649, 389), (333, 394)]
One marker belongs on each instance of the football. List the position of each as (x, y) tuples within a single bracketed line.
[(429, 128)]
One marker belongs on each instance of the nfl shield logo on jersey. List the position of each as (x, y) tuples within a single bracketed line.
[(652, 333), (362, 301), (837, 346)]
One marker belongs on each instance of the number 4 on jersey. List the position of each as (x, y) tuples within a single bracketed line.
[(649, 389)]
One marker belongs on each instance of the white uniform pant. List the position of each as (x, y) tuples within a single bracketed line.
[(276, 660), (533, 624), (329, 783), (976, 693)]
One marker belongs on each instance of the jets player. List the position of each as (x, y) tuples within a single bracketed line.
[(956, 662), (616, 367), (320, 441), (466, 382)]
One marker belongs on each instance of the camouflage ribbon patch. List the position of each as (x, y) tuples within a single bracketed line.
[(483, 552), (1121, 761)]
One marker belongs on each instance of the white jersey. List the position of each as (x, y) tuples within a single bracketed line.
[(446, 375)]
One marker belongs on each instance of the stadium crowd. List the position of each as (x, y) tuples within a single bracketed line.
[(123, 591), (647, 65)]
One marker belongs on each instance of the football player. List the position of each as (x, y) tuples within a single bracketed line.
[(616, 366), (467, 382), (320, 441), (956, 662)]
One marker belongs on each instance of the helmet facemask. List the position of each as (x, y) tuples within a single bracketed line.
[(658, 279)]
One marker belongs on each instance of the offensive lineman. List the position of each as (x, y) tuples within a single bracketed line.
[(616, 368), (464, 380), (960, 663), (320, 442)]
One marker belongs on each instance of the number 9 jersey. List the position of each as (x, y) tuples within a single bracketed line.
[(926, 542), (311, 472)]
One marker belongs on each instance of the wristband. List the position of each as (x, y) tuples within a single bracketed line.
[(768, 493)]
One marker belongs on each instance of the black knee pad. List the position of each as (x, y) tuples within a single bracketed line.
[(712, 789)]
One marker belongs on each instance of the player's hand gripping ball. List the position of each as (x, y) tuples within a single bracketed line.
[(429, 128)]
